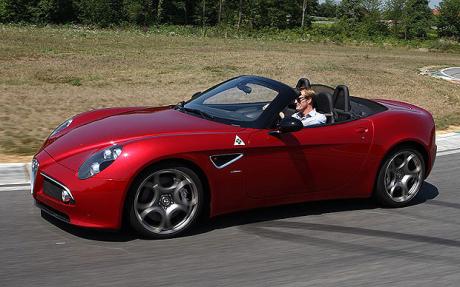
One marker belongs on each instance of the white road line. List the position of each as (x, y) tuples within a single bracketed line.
[(447, 152)]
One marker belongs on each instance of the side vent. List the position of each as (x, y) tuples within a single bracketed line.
[(223, 160)]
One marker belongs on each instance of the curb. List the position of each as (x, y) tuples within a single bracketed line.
[(14, 176)]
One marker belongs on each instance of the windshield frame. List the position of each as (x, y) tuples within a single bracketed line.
[(285, 95)]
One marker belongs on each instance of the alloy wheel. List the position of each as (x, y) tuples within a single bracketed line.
[(166, 201), (403, 176)]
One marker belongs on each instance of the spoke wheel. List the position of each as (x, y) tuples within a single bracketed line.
[(166, 202), (400, 178)]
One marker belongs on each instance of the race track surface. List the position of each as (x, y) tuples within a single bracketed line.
[(338, 243), (453, 72)]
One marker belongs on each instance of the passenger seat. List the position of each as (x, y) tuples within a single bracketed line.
[(341, 103)]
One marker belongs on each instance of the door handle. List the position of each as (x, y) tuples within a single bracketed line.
[(362, 130)]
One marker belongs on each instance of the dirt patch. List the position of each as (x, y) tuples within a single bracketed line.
[(6, 158), (449, 129)]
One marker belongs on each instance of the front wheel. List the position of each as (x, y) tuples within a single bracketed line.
[(400, 177), (166, 201)]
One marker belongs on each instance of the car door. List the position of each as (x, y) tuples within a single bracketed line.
[(315, 159)]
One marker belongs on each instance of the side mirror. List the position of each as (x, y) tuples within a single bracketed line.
[(196, 95), (288, 125)]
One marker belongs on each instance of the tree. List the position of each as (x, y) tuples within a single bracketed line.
[(144, 12), (159, 9), (240, 13), (54, 11), (219, 17), (372, 24), (371, 7), (327, 9), (304, 8), (449, 18), (416, 19), (308, 8), (394, 10), (100, 12), (17, 10), (351, 11)]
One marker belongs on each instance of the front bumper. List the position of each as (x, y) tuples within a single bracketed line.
[(97, 202)]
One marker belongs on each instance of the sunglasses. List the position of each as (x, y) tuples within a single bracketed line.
[(300, 99)]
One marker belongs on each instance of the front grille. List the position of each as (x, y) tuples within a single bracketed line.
[(52, 189)]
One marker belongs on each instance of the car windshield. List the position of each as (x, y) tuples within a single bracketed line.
[(237, 101)]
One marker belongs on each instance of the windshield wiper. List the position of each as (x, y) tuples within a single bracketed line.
[(179, 105), (198, 112)]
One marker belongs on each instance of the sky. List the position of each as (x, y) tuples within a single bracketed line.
[(433, 3)]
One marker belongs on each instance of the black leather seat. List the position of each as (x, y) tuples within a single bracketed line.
[(341, 103), (303, 82), (341, 98), (323, 103), (319, 88)]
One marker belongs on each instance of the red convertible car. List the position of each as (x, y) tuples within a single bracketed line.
[(232, 147)]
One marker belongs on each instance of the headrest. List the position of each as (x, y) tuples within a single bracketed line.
[(341, 98), (318, 88), (303, 82), (322, 102)]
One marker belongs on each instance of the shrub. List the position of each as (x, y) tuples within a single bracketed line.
[(449, 18)]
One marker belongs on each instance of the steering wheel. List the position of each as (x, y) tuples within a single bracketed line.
[(281, 114)]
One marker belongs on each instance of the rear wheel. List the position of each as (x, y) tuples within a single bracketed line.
[(400, 177), (166, 201)]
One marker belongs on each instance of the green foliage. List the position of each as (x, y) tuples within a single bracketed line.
[(54, 11), (100, 12), (356, 19), (444, 45), (3, 10), (394, 11), (351, 12), (140, 12), (409, 19), (416, 19), (449, 18), (16, 11), (327, 9)]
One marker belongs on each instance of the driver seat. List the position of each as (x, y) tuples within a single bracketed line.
[(303, 82), (322, 102)]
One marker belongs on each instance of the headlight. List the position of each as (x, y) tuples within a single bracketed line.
[(99, 161), (61, 127)]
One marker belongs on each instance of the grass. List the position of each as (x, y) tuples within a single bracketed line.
[(49, 74)]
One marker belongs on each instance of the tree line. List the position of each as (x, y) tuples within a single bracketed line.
[(405, 19)]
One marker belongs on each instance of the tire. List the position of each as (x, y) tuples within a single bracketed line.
[(165, 201), (400, 177)]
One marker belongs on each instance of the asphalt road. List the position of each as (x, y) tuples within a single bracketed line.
[(338, 243), (453, 72)]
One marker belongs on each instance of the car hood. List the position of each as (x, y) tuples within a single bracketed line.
[(97, 129)]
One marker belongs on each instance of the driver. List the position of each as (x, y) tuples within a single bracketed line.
[(306, 113)]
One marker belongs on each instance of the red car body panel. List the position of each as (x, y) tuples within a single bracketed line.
[(325, 162)]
